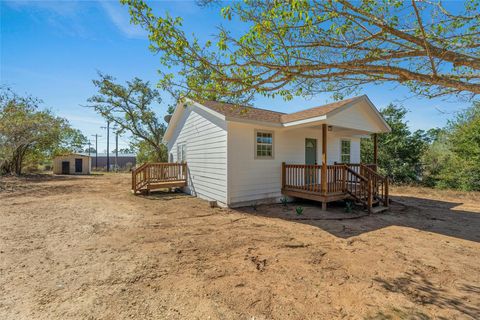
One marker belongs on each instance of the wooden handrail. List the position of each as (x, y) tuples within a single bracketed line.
[(135, 172), (149, 173), (361, 181), (380, 184), (359, 187)]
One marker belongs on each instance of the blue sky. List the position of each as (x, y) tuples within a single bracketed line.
[(53, 50)]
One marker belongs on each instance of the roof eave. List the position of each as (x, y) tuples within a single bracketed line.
[(304, 121), (250, 121), (379, 115)]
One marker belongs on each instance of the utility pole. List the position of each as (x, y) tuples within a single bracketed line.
[(89, 147), (108, 145), (96, 150), (116, 151)]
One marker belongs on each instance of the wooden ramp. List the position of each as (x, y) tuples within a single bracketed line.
[(163, 175)]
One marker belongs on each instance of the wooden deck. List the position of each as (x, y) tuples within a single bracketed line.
[(152, 176), (312, 192), (359, 182)]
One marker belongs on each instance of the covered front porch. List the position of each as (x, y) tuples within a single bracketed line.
[(331, 182)]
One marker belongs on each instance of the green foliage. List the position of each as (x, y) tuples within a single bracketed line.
[(442, 158), (147, 153), (348, 206), (129, 108), (29, 136), (299, 211), (400, 151), (288, 48), (453, 158), (284, 201)]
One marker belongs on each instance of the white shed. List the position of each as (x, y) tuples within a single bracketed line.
[(72, 164), (242, 155)]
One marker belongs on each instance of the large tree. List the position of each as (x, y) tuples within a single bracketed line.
[(303, 47), (29, 135), (453, 158), (399, 151), (129, 107)]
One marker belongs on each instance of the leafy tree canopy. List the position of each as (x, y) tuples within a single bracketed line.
[(28, 135), (453, 158), (302, 47), (400, 151), (129, 108)]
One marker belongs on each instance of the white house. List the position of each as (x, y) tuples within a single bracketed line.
[(235, 154)]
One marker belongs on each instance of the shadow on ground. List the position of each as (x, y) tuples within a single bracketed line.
[(418, 289), (164, 195), (418, 213)]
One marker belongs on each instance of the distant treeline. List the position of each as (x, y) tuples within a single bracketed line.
[(30, 135), (446, 157)]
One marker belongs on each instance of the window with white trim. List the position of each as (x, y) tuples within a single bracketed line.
[(181, 152), (345, 148), (263, 144)]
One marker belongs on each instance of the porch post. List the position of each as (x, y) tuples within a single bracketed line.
[(375, 150), (324, 159)]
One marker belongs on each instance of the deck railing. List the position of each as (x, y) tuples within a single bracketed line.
[(151, 173), (359, 187), (361, 181), (379, 183), (309, 177), (359, 167)]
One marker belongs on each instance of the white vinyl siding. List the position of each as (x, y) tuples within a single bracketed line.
[(201, 140), (253, 180), (358, 117), (181, 152)]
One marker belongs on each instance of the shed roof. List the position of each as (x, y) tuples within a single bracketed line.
[(112, 155), (72, 154)]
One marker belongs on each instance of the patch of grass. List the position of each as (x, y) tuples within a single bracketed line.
[(348, 206), (299, 211)]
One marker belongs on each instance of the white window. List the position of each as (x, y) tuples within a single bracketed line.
[(345, 151), (181, 152), (263, 144)]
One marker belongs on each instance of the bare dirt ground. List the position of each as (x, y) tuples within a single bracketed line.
[(85, 248)]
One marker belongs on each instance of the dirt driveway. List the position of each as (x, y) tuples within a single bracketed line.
[(85, 248)]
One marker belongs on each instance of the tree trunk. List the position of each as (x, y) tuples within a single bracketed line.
[(18, 158)]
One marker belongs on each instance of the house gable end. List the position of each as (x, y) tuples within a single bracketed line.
[(361, 115), (179, 116)]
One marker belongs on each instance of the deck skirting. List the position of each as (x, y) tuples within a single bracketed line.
[(316, 196)]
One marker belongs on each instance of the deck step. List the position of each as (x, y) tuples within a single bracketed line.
[(379, 209), (166, 184)]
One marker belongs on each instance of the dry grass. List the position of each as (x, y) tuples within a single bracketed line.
[(85, 248)]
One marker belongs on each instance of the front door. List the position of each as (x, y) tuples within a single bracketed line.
[(310, 159), (78, 165), (65, 167)]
